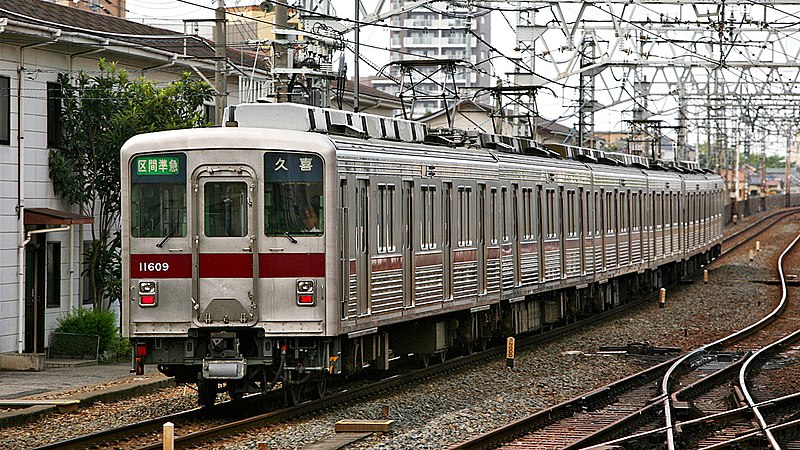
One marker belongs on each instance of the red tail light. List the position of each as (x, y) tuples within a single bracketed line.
[(147, 299), (141, 349), (305, 299)]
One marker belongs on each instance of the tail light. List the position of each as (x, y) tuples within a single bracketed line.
[(306, 290), (148, 295), (141, 349)]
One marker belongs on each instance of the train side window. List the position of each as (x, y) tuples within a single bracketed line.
[(551, 212), (527, 214), (610, 210), (158, 196), (623, 212), (464, 198), (386, 218), (539, 214), (587, 216), (515, 213), (362, 219), (427, 208), (600, 216), (572, 230), (504, 212), (481, 213), (493, 216)]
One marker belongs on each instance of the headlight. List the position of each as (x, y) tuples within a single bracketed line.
[(305, 286)]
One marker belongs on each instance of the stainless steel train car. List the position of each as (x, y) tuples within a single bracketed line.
[(298, 243)]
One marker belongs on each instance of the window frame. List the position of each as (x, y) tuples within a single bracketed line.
[(5, 110)]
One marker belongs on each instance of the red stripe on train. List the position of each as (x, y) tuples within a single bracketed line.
[(161, 266), (228, 265), (291, 265)]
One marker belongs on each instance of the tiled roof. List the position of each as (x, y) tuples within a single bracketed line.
[(37, 12)]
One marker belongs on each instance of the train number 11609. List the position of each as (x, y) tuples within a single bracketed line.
[(153, 267)]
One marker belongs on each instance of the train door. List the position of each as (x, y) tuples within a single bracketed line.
[(225, 270), (407, 228), (362, 247), (347, 273), (582, 231), (481, 239), (564, 214), (540, 233), (515, 234), (447, 241)]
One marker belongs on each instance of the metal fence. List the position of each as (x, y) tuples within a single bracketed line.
[(73, 346), (755, 205)]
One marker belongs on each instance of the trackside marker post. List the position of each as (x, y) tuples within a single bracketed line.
[(662, 298), (705, 276), (758, 246), (510, 352), (169, 436)]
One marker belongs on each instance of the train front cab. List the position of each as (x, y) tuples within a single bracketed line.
[(226, 266)]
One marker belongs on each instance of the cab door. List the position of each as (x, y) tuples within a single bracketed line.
[(224, 268)]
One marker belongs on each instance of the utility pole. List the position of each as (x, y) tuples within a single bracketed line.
[(787, 185), (763, 170), (356, 57), (221, 57), (681, 152)]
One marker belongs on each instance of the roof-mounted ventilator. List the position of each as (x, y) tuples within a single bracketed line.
[(297, 117), (451, 137)]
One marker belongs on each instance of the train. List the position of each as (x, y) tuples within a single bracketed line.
[(298, 244)]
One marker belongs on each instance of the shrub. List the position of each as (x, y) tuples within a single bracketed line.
[(120, 347), (91, 321)]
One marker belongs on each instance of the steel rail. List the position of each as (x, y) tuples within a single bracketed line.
[(766, 352), (763, 322)]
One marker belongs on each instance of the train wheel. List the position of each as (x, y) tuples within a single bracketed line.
[(322, 385), (233, 391), (206, 392), (424, 359), (292, 391), (292, 394), (470, 347)]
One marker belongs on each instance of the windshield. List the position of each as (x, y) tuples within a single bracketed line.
[(158, 196), (293, 194)]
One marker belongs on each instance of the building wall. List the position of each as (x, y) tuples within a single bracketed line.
[(114, 8), (41, 66)]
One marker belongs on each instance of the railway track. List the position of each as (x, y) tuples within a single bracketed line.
[(189, 423), (645, 408)]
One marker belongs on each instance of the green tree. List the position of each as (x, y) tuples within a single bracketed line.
[(99, 113)]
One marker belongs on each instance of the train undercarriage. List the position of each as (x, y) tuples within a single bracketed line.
[(245, 360)]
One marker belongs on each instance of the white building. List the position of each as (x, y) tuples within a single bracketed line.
[(39, 40), (424, 34)]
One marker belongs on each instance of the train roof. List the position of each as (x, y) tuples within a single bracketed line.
[(367, 127)]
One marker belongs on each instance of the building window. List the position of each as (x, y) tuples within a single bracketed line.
[(54, 125), (53, 279), (5, 110), (86, 281)]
